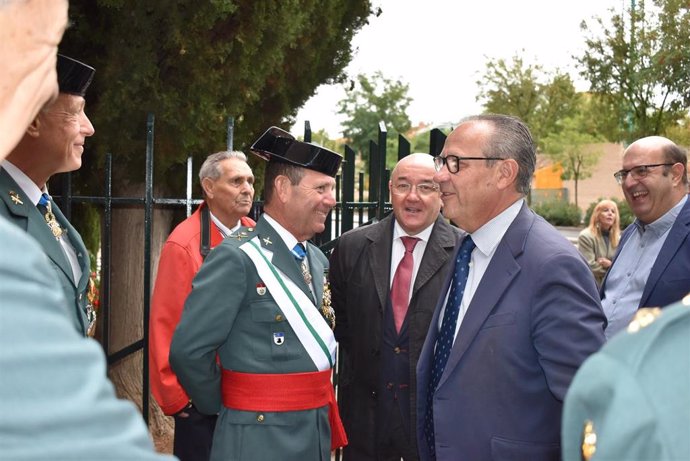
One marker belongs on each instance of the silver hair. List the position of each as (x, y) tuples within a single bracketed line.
[(510, 139), (209, 169)]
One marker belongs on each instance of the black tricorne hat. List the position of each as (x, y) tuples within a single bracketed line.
[(279, 145), (74, 77)]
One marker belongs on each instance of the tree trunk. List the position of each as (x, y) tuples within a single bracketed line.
[(127, 303)]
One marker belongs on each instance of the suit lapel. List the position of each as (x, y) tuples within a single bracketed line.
[(381, 238), (28, 217), (676, 236), (501, 271), (435, 256)]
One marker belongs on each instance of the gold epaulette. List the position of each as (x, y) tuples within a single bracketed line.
[(643, 317), (589, 441)]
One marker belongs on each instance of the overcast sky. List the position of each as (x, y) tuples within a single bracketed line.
[(440, 48)]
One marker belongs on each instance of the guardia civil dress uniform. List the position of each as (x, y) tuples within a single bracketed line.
[(631, 400), (56, 235), (252, 308), (20, 209)]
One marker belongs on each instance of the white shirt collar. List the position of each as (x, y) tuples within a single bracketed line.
[(490, 234), (424, 235), (225, 230)]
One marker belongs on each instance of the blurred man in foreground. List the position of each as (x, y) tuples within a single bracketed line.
[(630, 400), (56, 400)]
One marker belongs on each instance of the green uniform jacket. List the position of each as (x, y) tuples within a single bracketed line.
[(635, 392), (227, 314), (23, 213), (57, 402)]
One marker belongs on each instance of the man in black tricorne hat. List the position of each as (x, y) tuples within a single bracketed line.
[(53, 143), (261, 304)]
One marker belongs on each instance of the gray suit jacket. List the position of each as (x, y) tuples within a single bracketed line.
[(360, 284), (228, 316), (57, 402), (24, 214), (533, 319)]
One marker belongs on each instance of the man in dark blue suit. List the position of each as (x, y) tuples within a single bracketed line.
[(516, 318), (652, 265)]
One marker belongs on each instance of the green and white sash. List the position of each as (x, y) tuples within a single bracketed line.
[(304, 318)]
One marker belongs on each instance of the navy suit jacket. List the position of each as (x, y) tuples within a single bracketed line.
[(669, 280), (534, 318)]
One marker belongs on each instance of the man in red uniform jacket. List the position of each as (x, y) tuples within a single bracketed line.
[(228, 186)]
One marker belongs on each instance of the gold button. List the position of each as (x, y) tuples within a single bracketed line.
[(279, 318), (260, 418), (396, 350)]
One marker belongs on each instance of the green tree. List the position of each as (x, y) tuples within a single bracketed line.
[(192, 64), (680, 132), (374, 99), (322, 138), (572, 148), (638, 66), (540, 98)]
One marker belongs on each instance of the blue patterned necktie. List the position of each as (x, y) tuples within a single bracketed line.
[(444, 342), (300, 254)]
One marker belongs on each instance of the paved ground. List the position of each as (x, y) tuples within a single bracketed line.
[(570, 233)]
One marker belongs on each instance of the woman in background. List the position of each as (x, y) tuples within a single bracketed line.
[(599, 241)]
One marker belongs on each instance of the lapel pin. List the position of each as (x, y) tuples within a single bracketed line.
[(267, 241), (261, 288), (15, 198)]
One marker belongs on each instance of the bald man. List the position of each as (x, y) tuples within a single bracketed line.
[(652, 265), (380, 331)]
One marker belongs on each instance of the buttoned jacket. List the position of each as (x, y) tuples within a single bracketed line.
[(360, 282)]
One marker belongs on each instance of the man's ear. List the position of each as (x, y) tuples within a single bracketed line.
[(507, 173), (34, 127), (677, 172), (207, 185), (282, 188)]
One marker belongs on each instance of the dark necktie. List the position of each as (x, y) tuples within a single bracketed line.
[(301, 256), (444, 342), (45, 207), (400, 289)]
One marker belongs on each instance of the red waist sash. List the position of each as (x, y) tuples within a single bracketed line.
[(284, 392)]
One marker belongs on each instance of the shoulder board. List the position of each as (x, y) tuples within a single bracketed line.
[(644, 317)]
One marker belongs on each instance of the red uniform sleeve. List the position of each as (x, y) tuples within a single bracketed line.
[(176, 269)]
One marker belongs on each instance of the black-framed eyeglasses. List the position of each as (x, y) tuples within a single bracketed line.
[(453, 161), (638, 172), (424, 189)]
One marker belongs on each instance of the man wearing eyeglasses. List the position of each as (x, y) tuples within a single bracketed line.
[(518, 316), (652, 265), (384, 278)]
